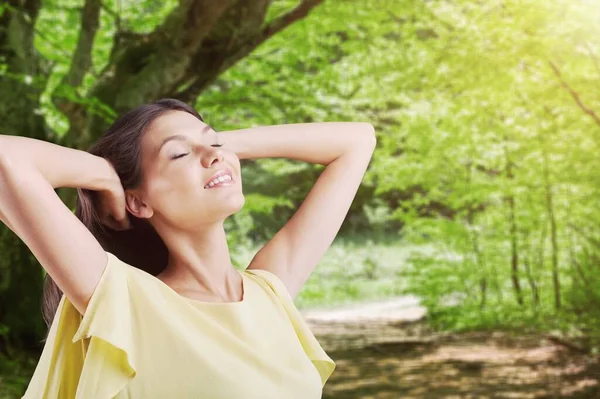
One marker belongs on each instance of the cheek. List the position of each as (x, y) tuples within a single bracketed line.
[(234, 161), (185, 185), (175, 190)]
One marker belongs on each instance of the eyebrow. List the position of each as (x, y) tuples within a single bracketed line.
[(180, 137)]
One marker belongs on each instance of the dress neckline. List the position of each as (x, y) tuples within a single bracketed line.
[(211, 303)]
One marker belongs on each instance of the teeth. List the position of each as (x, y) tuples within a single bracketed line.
[(218, 180)]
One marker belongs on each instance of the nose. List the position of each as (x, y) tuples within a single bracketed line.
[(213, 156)]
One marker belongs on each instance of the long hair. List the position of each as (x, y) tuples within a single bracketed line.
[(140, 246)]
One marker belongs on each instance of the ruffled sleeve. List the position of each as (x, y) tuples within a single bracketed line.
[(324, 364), (90, 356)]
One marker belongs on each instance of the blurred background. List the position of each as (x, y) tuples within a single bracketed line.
[(469, 263)]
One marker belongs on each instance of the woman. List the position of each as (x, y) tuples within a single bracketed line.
[(152, 305)]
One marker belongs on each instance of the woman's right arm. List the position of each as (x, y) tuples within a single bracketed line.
[(30, 169)]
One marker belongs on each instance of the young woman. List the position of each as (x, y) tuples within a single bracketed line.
[(152, 305)]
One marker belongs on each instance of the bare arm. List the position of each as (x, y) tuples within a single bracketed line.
[(30, 169), (346, 149), (318, 143)]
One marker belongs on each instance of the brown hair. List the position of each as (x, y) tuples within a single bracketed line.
[(139, 246)]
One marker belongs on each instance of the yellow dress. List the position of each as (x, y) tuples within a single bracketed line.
[(140, 339)]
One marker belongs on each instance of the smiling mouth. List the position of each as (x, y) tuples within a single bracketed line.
[(221, 181), (220, 177)]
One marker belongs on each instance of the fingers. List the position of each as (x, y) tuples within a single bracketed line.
[(112, 209), (121, 214), (117, 225), (122, 224), (125, 223)]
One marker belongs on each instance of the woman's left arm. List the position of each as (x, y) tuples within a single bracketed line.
[(345, 148)]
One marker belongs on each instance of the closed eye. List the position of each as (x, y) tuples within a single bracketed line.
[(183, 155), (180, 156)]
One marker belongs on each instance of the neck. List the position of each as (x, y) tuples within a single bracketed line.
[(200, 262)]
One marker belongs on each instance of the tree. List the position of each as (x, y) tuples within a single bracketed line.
[(191, 43)]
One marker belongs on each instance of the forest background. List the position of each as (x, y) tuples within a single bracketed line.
[(480, 198)]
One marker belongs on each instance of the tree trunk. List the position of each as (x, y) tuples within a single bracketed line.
[(553, 231), (197, 42), (532, 283), (514, 244), (479, 259), (21, 276), (541, 250)]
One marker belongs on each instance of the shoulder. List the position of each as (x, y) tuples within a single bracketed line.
[(271, 282), (130, 272)]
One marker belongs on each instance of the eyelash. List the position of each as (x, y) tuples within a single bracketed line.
[(179, 156), (183, 155)]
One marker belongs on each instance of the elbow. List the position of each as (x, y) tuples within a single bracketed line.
[(11, 152), (369, 133), (4, 151), (362, 138), (2, 145)]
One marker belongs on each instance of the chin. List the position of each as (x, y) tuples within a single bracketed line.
[(240, 203), (233, 204)]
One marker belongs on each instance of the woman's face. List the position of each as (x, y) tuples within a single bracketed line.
[(178, 159)]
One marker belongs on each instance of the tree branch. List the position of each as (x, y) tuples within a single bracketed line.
[(587, 236), (197, 41), (82, 57), (285, 20), (243, 48), (189, 23), (168, 52), (574, 94)]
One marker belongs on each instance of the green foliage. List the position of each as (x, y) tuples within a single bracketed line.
[(487, 118), (487, 142), (484, 115), (15, 372)]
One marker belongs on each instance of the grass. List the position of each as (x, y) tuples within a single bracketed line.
[(354, 269)]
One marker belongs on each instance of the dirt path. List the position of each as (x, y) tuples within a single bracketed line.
[(383, 350)]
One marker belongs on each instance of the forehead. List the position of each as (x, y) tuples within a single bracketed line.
[(172, 122)]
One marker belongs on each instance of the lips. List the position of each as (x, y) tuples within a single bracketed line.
[(222, 172)]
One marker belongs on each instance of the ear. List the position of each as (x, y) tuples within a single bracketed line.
[(136, 206)]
